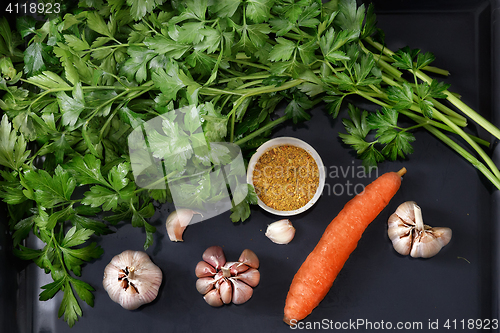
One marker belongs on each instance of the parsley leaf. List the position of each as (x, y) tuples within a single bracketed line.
[(86, 170), (241, 211), (296, 108), (139, 220), (168, 80), (397, 141), (283, 50), (259, 10), (13, 147), (50, 191), (139, 8), (33, 59), (136, 65), (402, 95), (357, 130), (71, 107), (225, 8)]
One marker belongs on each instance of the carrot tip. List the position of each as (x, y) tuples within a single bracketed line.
[(401, 172), (287, 320)]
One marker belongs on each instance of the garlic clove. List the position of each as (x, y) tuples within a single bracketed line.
[(425, 246), (214, 255), (213, 298), (280, 232), (443, 235), (429, 242), (402, 245), (205, 284), (401, 234), (242, 292), (203, 269), (226, 291), (177, 222), (235, 267), (248, 257), (250, 277), (131, 279)]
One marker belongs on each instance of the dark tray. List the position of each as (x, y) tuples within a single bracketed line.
[(376, 284)]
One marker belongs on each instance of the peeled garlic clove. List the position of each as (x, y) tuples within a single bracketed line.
[(203, 269), (248, 257), (205, 284), (226, 291), (213, 298), (280, 232), (177, 222), (242, 292), (214, 255), (250, 277), (131, 279)]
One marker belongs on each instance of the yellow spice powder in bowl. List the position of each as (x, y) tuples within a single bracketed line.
[(287, 174)]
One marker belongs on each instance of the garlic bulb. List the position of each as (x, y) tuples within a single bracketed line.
[(177, 222), (222, 282), (409, 234), (280, 232), (132, 279)]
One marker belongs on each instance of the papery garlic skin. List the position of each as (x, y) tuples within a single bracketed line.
[(281, 232), (409, 235), (132, 279), (177, 222)]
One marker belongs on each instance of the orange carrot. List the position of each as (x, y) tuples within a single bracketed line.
[(315, 277)]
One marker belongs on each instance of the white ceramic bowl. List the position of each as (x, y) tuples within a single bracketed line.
[(282, 141)]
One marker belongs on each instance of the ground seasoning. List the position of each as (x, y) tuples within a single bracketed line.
[(286, 177)]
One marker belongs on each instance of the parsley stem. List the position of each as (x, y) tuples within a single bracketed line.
[(248, 84), (465, 154), (389, 53), (246, 77), (467, 110), (257, 91), (214, 91), (261, 130), (417, 118), (270, 89), (371, 99), (426, 121), (251, 64), (457, 118), (471, 142)]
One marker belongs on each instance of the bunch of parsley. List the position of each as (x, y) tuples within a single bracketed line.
[(75, 85)]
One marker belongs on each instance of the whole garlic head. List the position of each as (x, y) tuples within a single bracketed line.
[(132, 279), (222, 282), (409, 234)]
